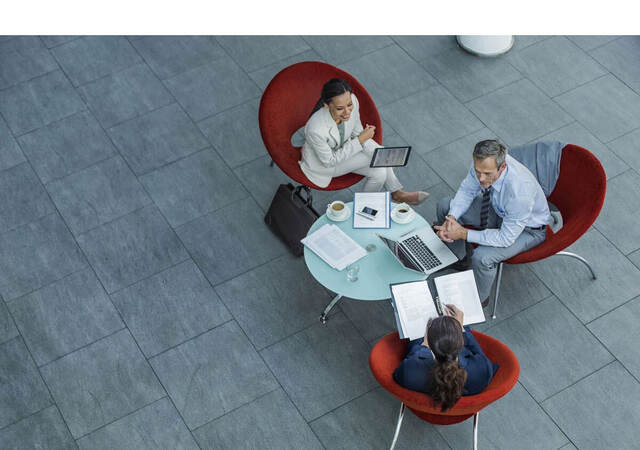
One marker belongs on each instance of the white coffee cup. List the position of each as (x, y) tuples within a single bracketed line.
[(336, 208), (403, 211)]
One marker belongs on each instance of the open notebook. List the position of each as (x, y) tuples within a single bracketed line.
[(413, 304)]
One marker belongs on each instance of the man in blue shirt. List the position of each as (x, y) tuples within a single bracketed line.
[(503, 203)]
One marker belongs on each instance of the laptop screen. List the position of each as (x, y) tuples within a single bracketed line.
[(400, 254)]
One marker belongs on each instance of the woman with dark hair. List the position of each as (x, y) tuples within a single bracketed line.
[(337, 144), (447, 363)]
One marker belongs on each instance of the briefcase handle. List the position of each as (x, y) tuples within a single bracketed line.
[(307, 191)]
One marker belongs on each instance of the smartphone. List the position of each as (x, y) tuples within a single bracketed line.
[(368, 213)]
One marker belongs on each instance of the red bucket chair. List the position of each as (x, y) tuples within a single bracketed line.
[(389, 352), (579, 195), (286, 105)]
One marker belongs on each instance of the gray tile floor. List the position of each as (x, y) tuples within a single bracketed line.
[(137, 314)]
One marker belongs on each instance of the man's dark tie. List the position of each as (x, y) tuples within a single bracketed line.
[(484, 211)]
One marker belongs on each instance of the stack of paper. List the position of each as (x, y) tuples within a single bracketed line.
[(332, 245), (460, 289), (380, 201)]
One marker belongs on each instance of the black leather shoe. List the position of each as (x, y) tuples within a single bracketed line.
[(485, 303)]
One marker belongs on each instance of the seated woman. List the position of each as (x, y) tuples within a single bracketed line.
[(336, 144), (447, 363)]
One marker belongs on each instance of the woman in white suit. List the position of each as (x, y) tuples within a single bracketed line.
[(337, 144)]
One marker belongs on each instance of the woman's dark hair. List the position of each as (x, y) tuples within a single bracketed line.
[(447, 378), (332, 88)]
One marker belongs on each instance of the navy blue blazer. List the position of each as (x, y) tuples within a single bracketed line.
[(413, 372)]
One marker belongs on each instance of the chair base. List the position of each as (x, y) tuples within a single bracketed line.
[(563, 253), (437, 420)]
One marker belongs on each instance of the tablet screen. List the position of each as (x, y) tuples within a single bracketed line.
[(390, 156)]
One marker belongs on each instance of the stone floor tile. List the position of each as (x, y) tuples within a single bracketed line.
[(234, 135), (428, 208), (10, 153), (252, 54), (193, 186), (270, 422), (545, 366), (514, 421), (212, 88), (262, 180), (618, 110), (168, 308), (635, 258), (519, 112), (18, 43), (619, 331), (422, 47), (7, 328), (213, 374), (19, 66), (617, 56), (389, 74), (230, 241), (170, 55), (275, 300), (453, 161), (65, 316), (621, 211), (22, 391), (55, 40), (22, 196), (35, 255), (97, 195), (66, 146), (263, 76), (588, 43), (92, 57), (618, 280), (322, 367), (600, 411), (125, 95), (339, 49), (556, 65), (131, 248), (627, 147), (157, 138), (43, 430), (523, 41), (466, 76), (574, 133), (372, 319), (444, 121), (156, 426), (38, 102), (369, 422), (100, 383)]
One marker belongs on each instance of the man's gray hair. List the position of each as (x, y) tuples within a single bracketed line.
[(491, 147)]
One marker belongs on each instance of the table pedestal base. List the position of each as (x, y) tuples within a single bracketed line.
[(323, 316)]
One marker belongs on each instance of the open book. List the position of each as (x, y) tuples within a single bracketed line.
[(334, 246), (413, 304)]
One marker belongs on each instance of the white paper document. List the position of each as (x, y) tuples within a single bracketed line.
[(380, 201), (333, 245), (460, 289), (414, 305)]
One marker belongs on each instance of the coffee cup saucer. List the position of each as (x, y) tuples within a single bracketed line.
[(339, 218), (404, 220)]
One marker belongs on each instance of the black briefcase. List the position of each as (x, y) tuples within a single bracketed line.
[(291, 215)]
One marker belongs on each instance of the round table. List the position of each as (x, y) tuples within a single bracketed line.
[(378, 268)]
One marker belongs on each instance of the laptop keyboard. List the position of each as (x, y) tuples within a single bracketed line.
[(421, 252)]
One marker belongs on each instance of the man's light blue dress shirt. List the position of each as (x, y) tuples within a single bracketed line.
[(516, 197)]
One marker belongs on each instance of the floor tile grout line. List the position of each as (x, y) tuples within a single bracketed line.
[(576, 87), (279, 61), (122, 417), (496, 322), (53, 122), (620, 137), (597, 46), (29, 80), (376, 387), (578, 381), (9, 425), (76, 36)]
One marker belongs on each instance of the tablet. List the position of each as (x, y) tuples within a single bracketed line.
[(390, 156)]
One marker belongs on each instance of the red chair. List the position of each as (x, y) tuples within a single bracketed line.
[(389, 352), (579, 195), (286, 105)]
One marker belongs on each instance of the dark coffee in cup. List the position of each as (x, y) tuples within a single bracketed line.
[(337, 206), (403, 210)]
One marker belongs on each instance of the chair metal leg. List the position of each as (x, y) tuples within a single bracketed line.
[(323, 316), (475, 431), (586, 263), (495, 297), (271, 163), (398, 425)]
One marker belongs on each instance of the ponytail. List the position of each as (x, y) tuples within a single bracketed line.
[(446, 379), (332, 88)]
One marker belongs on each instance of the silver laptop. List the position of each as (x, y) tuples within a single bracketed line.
[(421, 251)]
